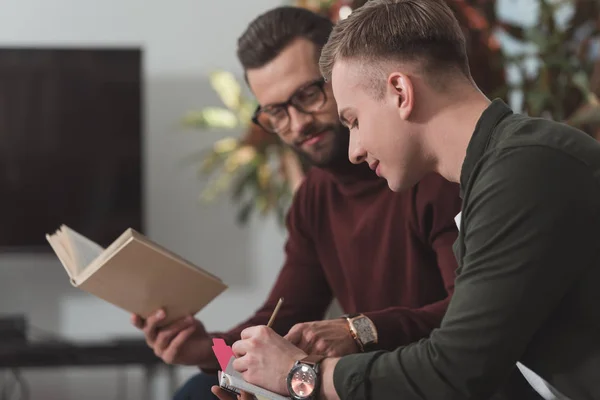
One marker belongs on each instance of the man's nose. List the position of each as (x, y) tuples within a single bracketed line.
[(356, 153), (299, 121)]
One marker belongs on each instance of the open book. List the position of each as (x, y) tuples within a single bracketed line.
[(135, 274)]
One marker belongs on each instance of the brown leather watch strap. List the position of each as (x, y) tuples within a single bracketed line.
[(353, 332)]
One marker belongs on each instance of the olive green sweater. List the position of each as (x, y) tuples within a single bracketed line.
[(528, 283)]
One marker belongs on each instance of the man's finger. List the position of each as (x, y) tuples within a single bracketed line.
[(137, 321), (249, 332), (222, 394), (320, 347), (240, 348), (307, 341), (175, 345), (295, 334), (164, 337), (246, 396), (240, 364), (183, 336), (306, 347), (151, 327)]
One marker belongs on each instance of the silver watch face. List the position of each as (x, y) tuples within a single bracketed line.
[(364, 330), (303, 381)]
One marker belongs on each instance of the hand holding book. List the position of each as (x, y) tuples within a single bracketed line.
[(183, 342), (142, 277)]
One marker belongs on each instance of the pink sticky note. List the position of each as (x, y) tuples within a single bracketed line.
[(222, 352)]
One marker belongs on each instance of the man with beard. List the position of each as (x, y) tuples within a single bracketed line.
[(386, 257)]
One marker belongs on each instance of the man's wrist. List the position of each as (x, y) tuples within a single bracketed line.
[(327, 388), (206, 360)]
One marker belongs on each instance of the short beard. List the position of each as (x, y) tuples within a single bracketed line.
[(337, 155)]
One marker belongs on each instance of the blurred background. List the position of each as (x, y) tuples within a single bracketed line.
[(132, 113)]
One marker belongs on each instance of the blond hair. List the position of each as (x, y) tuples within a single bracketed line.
[(422, 31)]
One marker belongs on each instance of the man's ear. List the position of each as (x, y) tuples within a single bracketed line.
[(401, 89)]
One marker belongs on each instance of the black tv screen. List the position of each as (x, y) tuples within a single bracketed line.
[(70, 144)]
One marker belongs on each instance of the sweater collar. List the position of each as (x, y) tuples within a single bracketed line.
[(496, 111)]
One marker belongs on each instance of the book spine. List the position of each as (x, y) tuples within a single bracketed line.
[(225, 384)]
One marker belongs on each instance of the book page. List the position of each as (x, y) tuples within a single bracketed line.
[(83, 251), (62, 254), (544, 389), (106, 254)]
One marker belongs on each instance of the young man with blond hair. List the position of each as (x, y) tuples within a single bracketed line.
[(526, 294)]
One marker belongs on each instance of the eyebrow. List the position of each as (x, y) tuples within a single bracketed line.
[(296, 90), (342, 117)]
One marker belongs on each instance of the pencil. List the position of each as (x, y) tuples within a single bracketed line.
[(275, 311)]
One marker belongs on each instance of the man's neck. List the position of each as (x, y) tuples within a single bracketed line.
[(450, 133)]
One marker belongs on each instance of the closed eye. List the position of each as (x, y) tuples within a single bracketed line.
[(353, 124)]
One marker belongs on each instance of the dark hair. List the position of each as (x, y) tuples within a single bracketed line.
[(271, 32)]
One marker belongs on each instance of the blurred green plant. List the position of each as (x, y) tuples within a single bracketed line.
[(558, 62), (237, 111), (256, 169)]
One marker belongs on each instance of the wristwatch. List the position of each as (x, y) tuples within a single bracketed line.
[(362, 330), (303, 379)]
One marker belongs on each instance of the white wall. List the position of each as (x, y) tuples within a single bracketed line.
[(182, 40)]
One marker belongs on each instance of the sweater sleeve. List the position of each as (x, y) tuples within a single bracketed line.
[(529, 225), (301, 281), (436, 203)]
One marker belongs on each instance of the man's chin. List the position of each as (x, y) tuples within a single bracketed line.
[(328, 153), (400, 185), (315, 158), (393, 187), (323, 158)]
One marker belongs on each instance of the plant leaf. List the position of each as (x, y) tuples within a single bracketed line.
[(515, 31), (244, 212), (227, 87), (225, 145), (262, 204), (211, 117), (245, 179), (246, 110), (536, 99), (582, 82), (537, 37)]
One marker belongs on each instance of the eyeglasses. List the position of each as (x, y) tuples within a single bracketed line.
[(308, 99)]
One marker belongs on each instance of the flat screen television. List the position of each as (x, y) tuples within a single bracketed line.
[(70, 144)]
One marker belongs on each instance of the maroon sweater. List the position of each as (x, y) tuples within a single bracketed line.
[(387, 255)]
